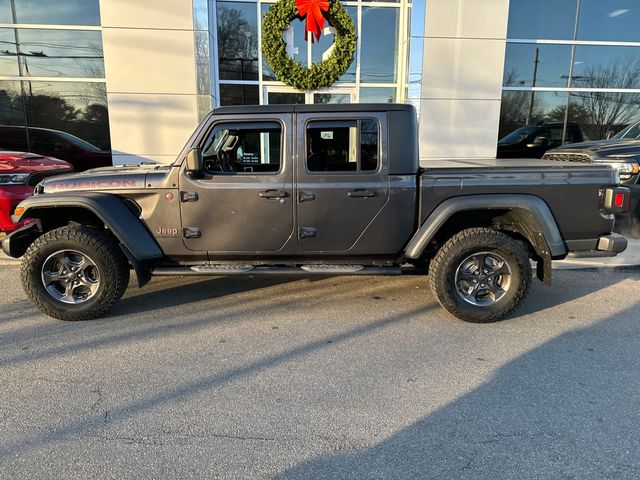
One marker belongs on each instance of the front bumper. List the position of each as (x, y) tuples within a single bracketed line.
[(10, 197), (16, 243)]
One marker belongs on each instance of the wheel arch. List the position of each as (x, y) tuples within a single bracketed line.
[(93, 209), (525, 216)]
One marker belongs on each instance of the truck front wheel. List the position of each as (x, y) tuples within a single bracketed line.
[(481, 275), (74, 273)]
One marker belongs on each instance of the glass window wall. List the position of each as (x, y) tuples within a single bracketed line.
[(53, 98), (573, 63), (378, 72)]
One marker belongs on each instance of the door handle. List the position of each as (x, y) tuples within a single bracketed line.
[(304, 196), (361, 193), (270, 194)]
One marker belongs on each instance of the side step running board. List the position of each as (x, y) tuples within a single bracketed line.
[(253, 270)]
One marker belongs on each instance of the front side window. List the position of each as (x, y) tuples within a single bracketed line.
[(241, 148), (342, 146)]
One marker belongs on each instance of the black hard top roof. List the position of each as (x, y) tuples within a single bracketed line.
[(313, 108)]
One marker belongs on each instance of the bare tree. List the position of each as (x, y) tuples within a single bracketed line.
[(601, 112), (237, 43)]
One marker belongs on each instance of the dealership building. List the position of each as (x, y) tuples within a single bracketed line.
[(136, 76)]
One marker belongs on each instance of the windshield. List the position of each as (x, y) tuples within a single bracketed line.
[(78, 142), (518, 135), (630, 132)]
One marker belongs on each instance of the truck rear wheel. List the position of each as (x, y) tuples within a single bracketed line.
[(74, 273), (481, 275)]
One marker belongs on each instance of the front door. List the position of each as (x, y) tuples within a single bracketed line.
[(342, 181), (243, 204)]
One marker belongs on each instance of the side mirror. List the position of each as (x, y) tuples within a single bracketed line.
[(194, 162), (610, 134), (539, 141)]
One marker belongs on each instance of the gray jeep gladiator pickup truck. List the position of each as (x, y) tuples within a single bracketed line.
[(314, 190)]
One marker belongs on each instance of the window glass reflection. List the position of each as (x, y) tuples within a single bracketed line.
[(61, 53), (296, 44), (524, 108), (321, 50), (57, 12), (547, 19), (67, 120), (237, 40), (379, 58), (13, 133), (79, 109), (529, 65), (331, 98), (602, 114), (285, 98), (8, 58), (607, 20), (201, 15), (598, 66), (5, 11), (239, 94), (203, 63), (11, 104), (205, 104), (377, 94)]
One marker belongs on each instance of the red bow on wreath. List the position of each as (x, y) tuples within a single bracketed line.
[(313, 9)]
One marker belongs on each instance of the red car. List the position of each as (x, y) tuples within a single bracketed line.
[(19, 173)]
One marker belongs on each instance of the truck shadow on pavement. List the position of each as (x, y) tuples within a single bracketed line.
[(567, 409), (154, 317), (542, 412)]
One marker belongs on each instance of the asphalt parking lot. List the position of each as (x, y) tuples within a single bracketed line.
[(330, 378)]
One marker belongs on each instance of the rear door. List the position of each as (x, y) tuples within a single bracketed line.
[(342, 181)]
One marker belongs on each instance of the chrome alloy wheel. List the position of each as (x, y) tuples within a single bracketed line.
[(70, 276), (483, 278)]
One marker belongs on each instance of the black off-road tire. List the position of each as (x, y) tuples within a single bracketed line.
[(100, 247), (442, 273)]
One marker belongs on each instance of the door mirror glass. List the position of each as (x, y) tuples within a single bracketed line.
[(194, 161)]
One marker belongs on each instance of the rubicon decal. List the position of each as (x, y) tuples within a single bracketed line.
[(95, 185)]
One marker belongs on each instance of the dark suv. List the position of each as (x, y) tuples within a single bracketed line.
[(532, 141)]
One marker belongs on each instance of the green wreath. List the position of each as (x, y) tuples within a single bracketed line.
[(319, 75)]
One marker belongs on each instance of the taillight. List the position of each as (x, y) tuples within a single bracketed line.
[(616, 200)]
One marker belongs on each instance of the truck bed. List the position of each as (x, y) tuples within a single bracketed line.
[(570, 189), (502, 163)]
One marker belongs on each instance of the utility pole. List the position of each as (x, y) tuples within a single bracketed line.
[(535, 77)]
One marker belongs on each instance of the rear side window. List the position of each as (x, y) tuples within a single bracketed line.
[(244, 148), (342, 146)]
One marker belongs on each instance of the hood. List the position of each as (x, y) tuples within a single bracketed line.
[(21, 162), (603, 149), (101, 179)]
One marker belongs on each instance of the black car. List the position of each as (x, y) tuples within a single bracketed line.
[(532, 141)]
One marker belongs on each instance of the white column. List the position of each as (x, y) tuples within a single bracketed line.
[(463, 64), (149, 51)]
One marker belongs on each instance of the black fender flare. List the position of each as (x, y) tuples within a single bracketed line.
[(532, 213), (110, 209)]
